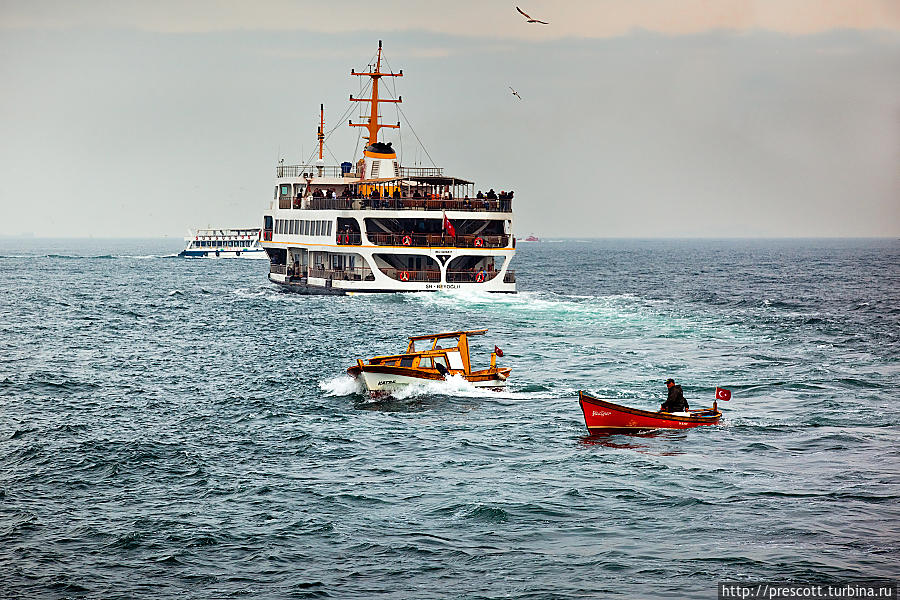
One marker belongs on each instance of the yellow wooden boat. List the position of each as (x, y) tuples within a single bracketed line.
[(429, 358)]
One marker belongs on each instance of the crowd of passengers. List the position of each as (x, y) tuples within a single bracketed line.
[(481, 200)]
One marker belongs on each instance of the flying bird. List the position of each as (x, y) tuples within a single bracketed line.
[(515, 93), (530, 20)]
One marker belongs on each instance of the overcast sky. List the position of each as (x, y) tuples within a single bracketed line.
[(638, 118)]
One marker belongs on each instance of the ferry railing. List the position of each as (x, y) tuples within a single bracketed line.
[(510, 277), (430, 276), (345, 238), (278, 269), (421, 171), (346, 274), (267, 235), (432, 240), (403, 204), (470, 276), (308, 171)]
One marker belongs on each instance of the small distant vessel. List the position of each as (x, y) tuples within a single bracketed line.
[(429, 358), (532, 238), (602, 416), (241, 242)]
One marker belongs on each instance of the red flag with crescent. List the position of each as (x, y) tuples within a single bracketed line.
[(448, 226), (723, 394), (498, 350)]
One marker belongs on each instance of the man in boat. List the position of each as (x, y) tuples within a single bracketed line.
[(675, 402)]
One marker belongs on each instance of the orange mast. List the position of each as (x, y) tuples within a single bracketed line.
[(373, 125), (321, 128)]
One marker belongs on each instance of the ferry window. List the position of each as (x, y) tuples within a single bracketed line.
[(425, 363), (296, 226), (305, 228), (329, 228), (316, 227), (439, 360), (285, 190), (391, 363), (406, 362)]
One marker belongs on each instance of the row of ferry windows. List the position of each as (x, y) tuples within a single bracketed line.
[(222, 244), (297, 227)]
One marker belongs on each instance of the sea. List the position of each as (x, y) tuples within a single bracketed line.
[(175, 428)]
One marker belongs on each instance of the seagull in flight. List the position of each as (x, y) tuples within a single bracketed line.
[(530, 20), (515, 93)]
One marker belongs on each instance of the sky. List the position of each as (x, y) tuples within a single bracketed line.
[(638, 118)]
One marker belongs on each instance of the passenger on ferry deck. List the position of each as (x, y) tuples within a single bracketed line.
[(416, 194), (396, 194), (333, 195), (375, 194), (480, 195), (491, 195)]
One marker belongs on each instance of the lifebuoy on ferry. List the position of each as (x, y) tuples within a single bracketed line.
[(479, 242), (346, 238), (479, 278), (404, 275), (407, 240)]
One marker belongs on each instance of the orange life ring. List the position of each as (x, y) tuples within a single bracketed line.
[(479, 278), (404, 275), (479, 242), (407, 241)]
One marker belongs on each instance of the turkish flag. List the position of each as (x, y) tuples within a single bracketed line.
[(723, 394), (498, 351), (448, 226)]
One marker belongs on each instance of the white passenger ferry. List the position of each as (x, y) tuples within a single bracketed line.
[(242, 242), (377, 226)]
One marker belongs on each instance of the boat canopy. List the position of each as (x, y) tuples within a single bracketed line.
[(441, 336)]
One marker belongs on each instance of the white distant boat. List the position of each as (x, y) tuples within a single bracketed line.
[(241, 242), (378, 226)]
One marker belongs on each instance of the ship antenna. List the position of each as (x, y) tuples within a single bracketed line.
[(373, 125)]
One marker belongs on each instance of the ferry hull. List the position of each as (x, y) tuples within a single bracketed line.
[(602, 416), (244, 254), (325, 287)]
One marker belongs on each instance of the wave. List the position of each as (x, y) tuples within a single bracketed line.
[(342, 385), (82, 257)]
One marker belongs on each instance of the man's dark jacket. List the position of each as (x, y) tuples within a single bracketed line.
[(675, 402)]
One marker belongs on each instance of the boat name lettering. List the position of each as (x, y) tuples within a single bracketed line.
[(597, 413), (442, 286)]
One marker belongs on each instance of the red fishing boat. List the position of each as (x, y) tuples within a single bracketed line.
[(602, 416)]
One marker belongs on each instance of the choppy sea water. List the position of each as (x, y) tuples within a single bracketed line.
[(179, 428)]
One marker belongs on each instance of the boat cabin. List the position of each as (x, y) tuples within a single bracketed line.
[(443, 352)]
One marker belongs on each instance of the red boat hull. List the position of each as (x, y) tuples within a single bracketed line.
[(602, 416)]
